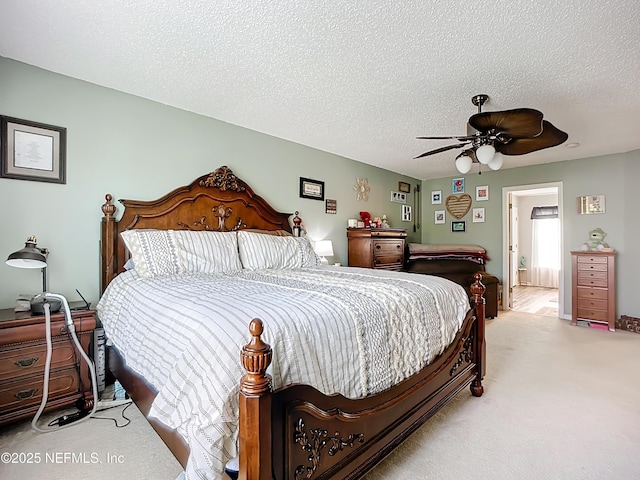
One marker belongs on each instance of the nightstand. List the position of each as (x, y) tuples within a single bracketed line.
[(23, 353)]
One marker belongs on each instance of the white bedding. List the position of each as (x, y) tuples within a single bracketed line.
[(183, 333)]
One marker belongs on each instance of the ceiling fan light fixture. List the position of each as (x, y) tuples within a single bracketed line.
[(463, 163), (496, 162), (485, 154)]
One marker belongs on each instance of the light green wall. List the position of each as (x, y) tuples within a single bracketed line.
[(615, 176), (138, 149)]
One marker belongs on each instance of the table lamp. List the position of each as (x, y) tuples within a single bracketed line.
[(31, 256), (324, 248)]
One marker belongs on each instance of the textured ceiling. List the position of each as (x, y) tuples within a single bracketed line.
[(359, 78)]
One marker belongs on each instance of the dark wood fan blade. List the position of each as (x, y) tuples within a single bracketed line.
[(442, 149), (517, 123), (550, 137), (461, 138)]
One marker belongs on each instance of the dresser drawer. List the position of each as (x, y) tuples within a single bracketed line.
[(593, 279), (590, 303), (592, 314), (387, 247), (24, 393), (595, 293), (591, 259), (28, 359), (387, 261), (592, 267)]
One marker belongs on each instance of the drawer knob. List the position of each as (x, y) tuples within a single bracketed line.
[(24, 394), (378, 247), (26, 362)]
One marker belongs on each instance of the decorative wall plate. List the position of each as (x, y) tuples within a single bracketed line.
[(459, 205)]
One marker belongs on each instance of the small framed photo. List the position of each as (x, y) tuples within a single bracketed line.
[(404, 187), (33, 151), (313, 189), (439, 217), (458, 226), (331, 206), (457, 185), (436, 197), (399, 197), (482, 193), (478, 215), (406, 213)]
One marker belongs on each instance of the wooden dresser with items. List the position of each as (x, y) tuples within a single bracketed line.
[(376, 247), (593, 288), (23, 352)]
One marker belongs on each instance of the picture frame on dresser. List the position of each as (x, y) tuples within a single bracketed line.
[(32, 151)]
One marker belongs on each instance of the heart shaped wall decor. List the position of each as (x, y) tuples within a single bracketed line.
[(458, 206)]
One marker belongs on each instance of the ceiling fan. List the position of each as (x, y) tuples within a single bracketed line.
[(493, 134)]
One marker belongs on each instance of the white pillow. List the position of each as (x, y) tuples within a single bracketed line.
[(259, 251), (154, 252), (208, 252)]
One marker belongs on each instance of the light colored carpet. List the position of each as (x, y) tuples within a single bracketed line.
[(560, 402)]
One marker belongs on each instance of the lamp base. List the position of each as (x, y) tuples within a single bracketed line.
[(37, 305)]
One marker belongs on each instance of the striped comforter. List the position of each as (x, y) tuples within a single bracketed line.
[(343, 330)]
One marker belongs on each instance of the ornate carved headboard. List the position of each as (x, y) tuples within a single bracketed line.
[(218, 201)]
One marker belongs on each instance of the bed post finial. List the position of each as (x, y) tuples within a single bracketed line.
[(477, 295), (108, 208), (256, 358), (254, 438)]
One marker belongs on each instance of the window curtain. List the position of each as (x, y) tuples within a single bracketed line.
[(545, 252)]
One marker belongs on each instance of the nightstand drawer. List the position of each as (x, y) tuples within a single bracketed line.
[(23, 393), (592, 267), (28, 359)]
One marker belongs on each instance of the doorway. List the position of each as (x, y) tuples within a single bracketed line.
[(532, 270)]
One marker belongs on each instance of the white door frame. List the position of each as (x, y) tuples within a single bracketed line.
[(506, 270)]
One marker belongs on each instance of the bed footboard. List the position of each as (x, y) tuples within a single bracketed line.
[(298, 433)]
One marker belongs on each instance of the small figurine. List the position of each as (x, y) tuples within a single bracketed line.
[(377, 222), (385, 224), (596, 241)]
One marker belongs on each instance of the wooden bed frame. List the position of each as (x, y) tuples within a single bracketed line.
[(294, 432)]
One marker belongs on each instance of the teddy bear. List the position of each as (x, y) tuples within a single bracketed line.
[(596, 240)]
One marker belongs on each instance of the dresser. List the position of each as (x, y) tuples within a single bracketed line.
[(22, 359), (376, 247), (593, 288)]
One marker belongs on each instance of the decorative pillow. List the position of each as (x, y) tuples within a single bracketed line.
[(153, 252), (208, 252), (278, 233), (259, 251)]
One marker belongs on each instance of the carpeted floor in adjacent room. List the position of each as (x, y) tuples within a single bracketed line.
[(560, 402)]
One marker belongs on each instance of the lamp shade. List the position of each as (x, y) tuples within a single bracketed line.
[(29, 257), (324, 248), (463, 163), (485, 153)]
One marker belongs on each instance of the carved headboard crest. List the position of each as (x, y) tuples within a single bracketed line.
[(221, 212), (224, 179)]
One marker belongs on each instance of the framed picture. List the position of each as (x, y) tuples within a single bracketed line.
[(404, 187), (33, 151), (331, 206), (591, 204), (482, 193), (313, 189), (436, 197), (439, 217), (398, 197), (458, 226), (406, 213), (457, 185), (478, 215)]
